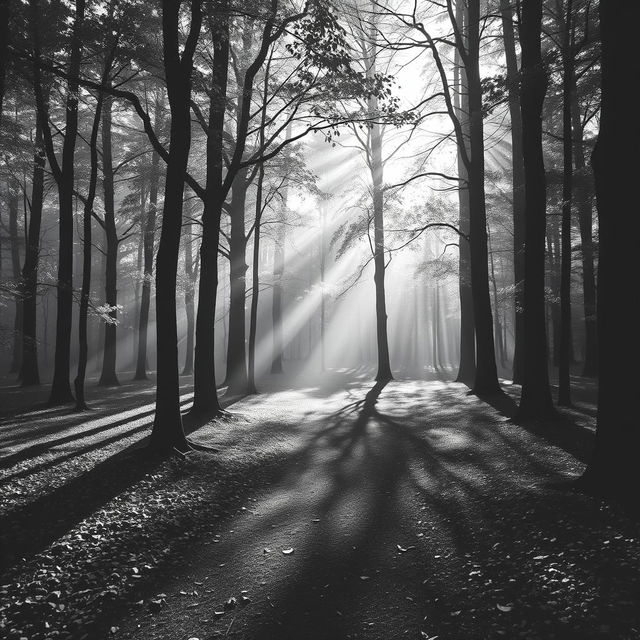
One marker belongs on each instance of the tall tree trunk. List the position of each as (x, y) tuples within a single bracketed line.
[(4, 41), (497, 327), (30, 371), (376, 169), (323, 310), (486, 378), (13, 193), (564, 381), (64, 175), (467, 364), (583, 191), (276, 304), (255, 270), (518, 193), (536, 395), (85, 293), (149, 242), (614, 466), (167, 426), (255, 283), (205, 394), (189, 292), (108, 377), (236, 351)]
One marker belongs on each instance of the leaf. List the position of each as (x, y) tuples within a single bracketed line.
[(403, 549), (287, 552)]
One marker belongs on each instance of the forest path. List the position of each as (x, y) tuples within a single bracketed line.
[(410, 510)]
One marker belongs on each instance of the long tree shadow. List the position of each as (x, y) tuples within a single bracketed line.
[(29, 529)]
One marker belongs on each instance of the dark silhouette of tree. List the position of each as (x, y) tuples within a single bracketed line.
[(613, 468), (518, 192), (63, 172), (536, 394), (167, 426)]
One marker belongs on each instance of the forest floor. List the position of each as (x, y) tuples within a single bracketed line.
[(337, 509)]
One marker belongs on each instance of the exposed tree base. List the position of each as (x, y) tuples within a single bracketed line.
[(60, 398), (110, 381)]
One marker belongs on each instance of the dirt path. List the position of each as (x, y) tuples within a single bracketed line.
[(409, 511)]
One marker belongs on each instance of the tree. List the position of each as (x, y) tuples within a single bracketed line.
[(536, 395), (148, 231), (564, 383), (64, 175), (517, 181), (167, 426), (613, 468)]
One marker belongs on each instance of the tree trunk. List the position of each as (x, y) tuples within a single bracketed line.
[(108, 376), (189, 299), (13, 193), (205, 394), (30, 371), (517, 172), (167, 426), (376, 169), (236, 351), (85, 294), (4, 41), (61, 387), (536, 394), (564, 381), (467, 364), (255, 282), (149, 242), (486, 378), (583, 190), (614, 466), (276, 305)]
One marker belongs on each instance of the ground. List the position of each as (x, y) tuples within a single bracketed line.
[(337, 509)]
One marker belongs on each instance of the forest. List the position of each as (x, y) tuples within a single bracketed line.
[(316, 319)]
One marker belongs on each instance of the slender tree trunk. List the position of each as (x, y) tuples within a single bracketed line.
[(583, 190), (30, 370), (149, 242), (276, 305), (497, 328), (467, 364), (376, 168), (64, 175), (255, 280), (536, 395), (13, 192), (189, 293), (614, 467), (167, 427), (205, 397), (518, 189), (255, 273), (236, 350), (323, 311), (108, 376), (564, 382), (486, 378), (4, 41), (85, 294)]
